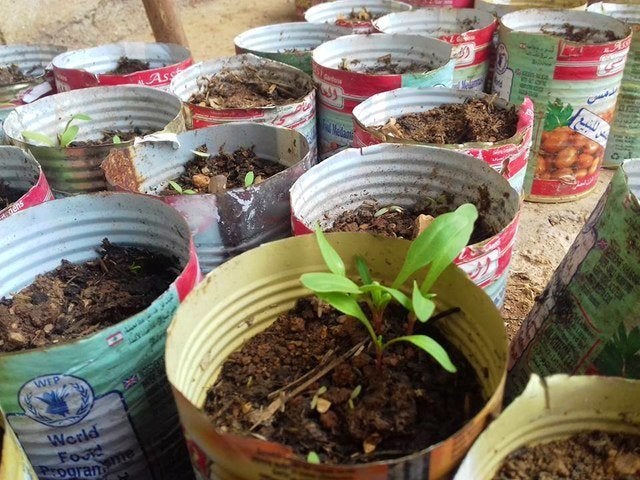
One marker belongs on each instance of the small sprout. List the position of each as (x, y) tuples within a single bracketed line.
[(134, 267), (354, 394), (176, 186), (198, 153), (249, 380), (313, 457), (65, 138), (116, 140), (188, 191), (391, 208), (249, 178), (38, 138), (314, 401)]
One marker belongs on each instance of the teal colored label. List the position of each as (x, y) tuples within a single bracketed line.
[(441, 77), (99, 407), (336, 130), (300, 60), (470, 78)]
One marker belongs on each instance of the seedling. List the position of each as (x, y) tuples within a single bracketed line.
[(313, 457), (65, 138), (436, 247), (182, 191), (383, 210), (314, 401), (116, 140), (354, 394), (249, 178)]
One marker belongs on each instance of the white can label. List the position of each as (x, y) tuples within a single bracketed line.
[(591, 126)]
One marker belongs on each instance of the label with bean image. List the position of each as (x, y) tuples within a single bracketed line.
[(574, 87)]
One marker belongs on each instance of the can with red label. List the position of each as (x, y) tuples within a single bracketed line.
[(358, 15), (341, 86), (570, 64), (19, 171), (469, 31), (92, 67)]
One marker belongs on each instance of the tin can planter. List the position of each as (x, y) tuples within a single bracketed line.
[(24, 178), (501, 7), (229, 223), (508, 157), (340, 90), (290, 43), (394, 174), (299, 114), (358, 15), (574, 86), (554, 409), (14, 464), (112, 415), (32, 60), (469, 31), (123, 108), (590, 304), (93, 67), (624, 142), (263, 283)]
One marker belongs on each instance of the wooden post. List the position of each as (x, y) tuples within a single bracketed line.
[(165, 21)]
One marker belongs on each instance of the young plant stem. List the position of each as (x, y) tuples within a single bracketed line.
[(411, 323), (378, 320)]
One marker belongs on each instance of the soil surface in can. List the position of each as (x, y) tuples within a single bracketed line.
[(112, 137), (208, 173), (338, 403), (399, 222), (573, 33), (246, 87), (76, 300), (354, 17), (8, 194), (475, 120), (384, 65), (128, 65), (593, 455), (10, 74)]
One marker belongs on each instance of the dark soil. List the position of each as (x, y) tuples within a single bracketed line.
[(8, 195), (592, 455), (108, 136), (476, 120), (408, 405), (129, 65), (580, 34), (223, 171), (246, 87), (76, 300), (11, 74), (383, 66), (357, 16), (399, 223)]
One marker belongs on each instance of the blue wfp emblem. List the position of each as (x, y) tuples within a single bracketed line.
[(56, 400)]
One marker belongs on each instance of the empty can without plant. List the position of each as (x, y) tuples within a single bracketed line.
[(570, 64), (264, 282), (508, 157), (469, 31), (228, 223), (96, 404), (92, 67), (20, 171)]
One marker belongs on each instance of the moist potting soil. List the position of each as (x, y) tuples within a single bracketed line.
[(384, 66), (108, 137), (11, 74), (76, 300), (573, 33), (475, 120), (8, 195), (361, 413), (128, 65)]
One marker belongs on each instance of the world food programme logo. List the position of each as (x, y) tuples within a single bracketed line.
[(56, 400), (502, 59)]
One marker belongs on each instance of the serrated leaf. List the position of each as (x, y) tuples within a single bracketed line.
[(69, 135), (423, 307), (38, 138), (329, 282), (329, 254), (430, 346), (363, 270)]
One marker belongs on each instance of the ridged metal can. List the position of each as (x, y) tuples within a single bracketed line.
[(574, 87), (501, 7), (20, 171), (290, 43), (339, 90), (337, 13), (624, 138), (508, 157), (223, 225), (90, 67), (118, 421), (303, 5), (469, 31), (554, 408), (77, 169), (299, 114), (263, 283), (404, 175), (14, 464), (32, 60)]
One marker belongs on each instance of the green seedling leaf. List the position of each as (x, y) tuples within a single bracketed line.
[(396, 294), (38, 138), (175, 186), (189, 192), (423, 307), (330, 256), (347, 305), (116, 140), (249, 178), (329, 282), (438, 245), (312, 457), (430, 346), (356, 391), (80, 116), (380, 212), (363, 270), (68, 136)]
